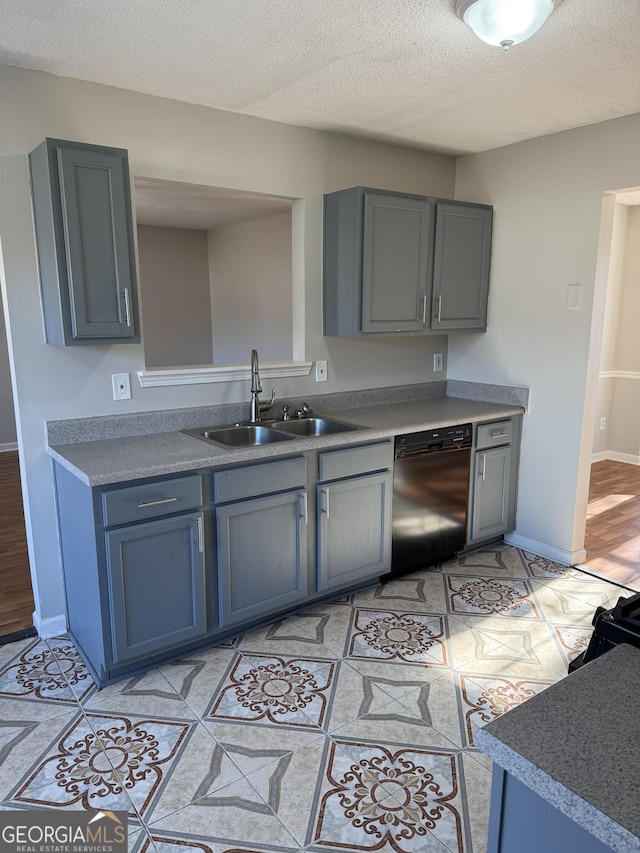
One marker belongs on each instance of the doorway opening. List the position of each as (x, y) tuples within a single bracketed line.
[(612, 531), (16, 590)]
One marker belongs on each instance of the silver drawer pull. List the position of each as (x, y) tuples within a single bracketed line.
[(325, 502), (146, 504), (499, 435)]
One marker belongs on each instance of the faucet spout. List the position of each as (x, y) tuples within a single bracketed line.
[(256, 407), (256, 385)]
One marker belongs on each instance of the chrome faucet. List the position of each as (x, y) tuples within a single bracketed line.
[(256, 407)]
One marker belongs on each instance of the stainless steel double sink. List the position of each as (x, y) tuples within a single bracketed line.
[(270, 432)]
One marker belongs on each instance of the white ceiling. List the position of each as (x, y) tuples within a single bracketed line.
[(403, 71)]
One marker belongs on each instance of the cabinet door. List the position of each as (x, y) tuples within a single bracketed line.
[(396, 265), (262, 556), (461, 267), (354, 530), (491, 493), (83, 219), (156, 580)]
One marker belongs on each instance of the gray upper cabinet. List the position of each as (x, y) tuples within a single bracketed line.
[(396, 260), (377, 263), (404, 264), (84, 232), (461, 267)]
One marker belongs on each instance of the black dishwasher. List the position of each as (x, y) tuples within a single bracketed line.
[(430, 496)]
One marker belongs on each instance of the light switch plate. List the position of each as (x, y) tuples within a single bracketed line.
[(121, 386), (321, 371), (438, 362)]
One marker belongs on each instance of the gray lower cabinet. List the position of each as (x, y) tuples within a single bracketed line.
[(156, 568), (262, 556), (521, 820), (84, 232), (354, 542), (404, 264), (353, 507), (461, 267), (156, 582), (493, 480), (135, 570)]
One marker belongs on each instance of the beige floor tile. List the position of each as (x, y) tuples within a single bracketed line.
[(196, 678), (294, 637), (148, 693), (29, 729), (499, 561), (421, 591), (235, 814), (421, 717)]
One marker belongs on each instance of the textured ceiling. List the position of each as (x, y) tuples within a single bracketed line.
[(403, 71)]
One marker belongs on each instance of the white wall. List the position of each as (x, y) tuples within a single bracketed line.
[(175, 296), (548, 195), (251, 290), (7, 419), (177, 142)]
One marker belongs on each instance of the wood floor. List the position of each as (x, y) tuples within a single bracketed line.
[(16, 595), (612, 540)]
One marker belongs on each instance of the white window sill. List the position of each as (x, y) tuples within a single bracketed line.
[(227, 373)]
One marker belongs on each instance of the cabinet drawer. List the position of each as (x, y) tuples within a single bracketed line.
[(252, 480), (493, 435), (151, 500), (335, 464)]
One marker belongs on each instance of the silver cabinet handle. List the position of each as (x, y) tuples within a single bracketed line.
[(484, 465), (424, 310), (324, 504), (200, 535), (302, 501), (159, 502), (499, 435), (439, 306), (127, 307)]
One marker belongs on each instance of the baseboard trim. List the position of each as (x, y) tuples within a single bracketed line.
[(541, 549), (8, 446), (54, 626), (614, 456)]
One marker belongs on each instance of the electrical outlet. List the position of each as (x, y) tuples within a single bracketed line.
[(121, 386), (603, 423), (438, 362), (321, 371)]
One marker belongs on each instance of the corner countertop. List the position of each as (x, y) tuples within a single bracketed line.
[(576, 745), (117, 460)]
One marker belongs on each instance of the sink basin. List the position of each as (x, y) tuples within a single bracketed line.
[(313, 426), (240, 436)]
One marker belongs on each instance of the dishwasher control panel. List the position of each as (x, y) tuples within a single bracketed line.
[(433, 440)]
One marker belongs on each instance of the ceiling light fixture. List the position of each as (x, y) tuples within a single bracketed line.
[(504, 23)]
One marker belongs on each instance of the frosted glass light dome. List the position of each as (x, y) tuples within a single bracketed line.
[(503, 23)]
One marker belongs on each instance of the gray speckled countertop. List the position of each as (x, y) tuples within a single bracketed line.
[(116, 460), (576, 745)]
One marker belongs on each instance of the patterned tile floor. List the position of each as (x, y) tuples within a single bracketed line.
[(346, 727)]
